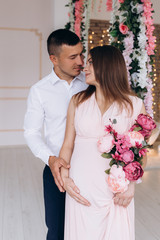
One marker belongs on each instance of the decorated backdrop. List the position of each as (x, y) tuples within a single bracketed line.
[(131, 30)]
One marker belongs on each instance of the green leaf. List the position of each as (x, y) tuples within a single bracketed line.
[(135, 10), (114, 33), (114, 121), (106, 155), (112, 162), (107, 171), (122, 164), (144, 143), (136, 151), (137, 129)]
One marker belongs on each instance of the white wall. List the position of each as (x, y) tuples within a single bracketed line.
[(23, 55)]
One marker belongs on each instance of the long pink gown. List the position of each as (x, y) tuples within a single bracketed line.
[(103, 220)]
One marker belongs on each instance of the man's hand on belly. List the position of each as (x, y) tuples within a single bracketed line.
[(55, 164)]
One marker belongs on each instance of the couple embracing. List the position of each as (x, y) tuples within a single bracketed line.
[(74, 106)]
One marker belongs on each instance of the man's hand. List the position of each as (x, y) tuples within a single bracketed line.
[(55, 165), (124, 199), (74, 192)]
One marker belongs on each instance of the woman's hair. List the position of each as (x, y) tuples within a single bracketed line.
[(111, 73)]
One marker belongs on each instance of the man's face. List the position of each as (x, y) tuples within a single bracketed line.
[(69, 62)]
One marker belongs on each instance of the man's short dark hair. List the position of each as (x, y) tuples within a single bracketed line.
[(59, 37)]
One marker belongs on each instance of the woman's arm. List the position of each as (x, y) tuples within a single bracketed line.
[(66, 153), (68, 143)]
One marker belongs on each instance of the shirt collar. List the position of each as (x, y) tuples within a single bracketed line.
[(55, 78)]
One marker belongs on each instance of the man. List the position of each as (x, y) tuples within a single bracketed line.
[(47, 104)]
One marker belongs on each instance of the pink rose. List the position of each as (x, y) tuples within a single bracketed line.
[(121, 1), (117, 181), (105, 143), (123, 28), (135, 137), (146, 122), (127, 156), (133, 171)]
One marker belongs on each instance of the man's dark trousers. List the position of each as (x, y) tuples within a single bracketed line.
[(54, 207)]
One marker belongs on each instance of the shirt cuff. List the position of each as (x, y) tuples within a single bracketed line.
[(45, 156)]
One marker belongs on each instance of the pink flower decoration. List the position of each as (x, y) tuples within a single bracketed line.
[(105, 143), (78, 14), (142, 152), (135, 137), (123, 143), (146, 122), (123, 28), (145, 133), (117, 181), (109, 5), (133, 171), (138, 145), (128, 156), (117, 156), (121, 1), (108, 129)]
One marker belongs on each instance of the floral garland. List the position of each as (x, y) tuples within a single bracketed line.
[(79, 16), (132, 32)]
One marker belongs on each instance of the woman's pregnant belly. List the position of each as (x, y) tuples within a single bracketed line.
[(87, 171)]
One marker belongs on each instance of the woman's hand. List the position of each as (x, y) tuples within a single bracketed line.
[(124, 199), (73, 191)]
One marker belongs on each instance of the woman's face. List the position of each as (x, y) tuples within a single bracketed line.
[(89, 72)]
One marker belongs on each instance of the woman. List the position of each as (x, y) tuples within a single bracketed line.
[(99, 214)]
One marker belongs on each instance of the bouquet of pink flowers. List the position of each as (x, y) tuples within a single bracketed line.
[(126, 152)]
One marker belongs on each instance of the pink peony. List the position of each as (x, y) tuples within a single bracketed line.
[(145, 133), (105, 143), (128, 156), (146, 122), (135, 137), (121, 1), (117, 181), (133, 171), (123, 28)]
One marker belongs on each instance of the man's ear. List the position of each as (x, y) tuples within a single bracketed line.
[(53, 59)]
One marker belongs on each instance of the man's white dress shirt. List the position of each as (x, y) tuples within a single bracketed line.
[(47, 106)]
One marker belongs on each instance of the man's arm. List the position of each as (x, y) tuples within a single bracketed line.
[(33, 124)]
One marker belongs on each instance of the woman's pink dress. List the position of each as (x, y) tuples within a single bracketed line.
[(103, 220)]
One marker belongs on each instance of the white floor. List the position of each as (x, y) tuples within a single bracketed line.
[(21, 197)]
